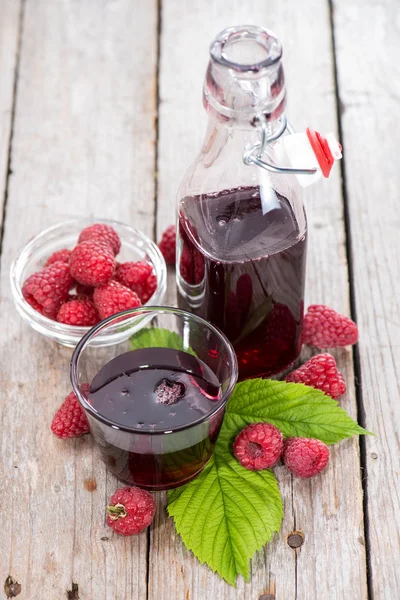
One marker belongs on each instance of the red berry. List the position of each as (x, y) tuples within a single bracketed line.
[(31, 300), (186, 264), (149, 289), (92, 263), (281, 326), (305, 457), (102, 232), (198, 260), (325, 328), (59, 255), (113, 297), (131, 510), (47, 289), (167, 245), (139, 277), (70, 420), (320, 372), (78, 312), (258, 446)]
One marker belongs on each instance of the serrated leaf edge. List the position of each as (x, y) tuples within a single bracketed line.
[(278, 505)]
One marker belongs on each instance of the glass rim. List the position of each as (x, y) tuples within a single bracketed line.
[(252, 32), (84, 341)]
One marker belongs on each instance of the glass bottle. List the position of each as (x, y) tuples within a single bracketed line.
[(242, 229)]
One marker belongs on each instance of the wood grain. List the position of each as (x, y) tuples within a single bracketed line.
[(83, 145), (331, 562), (368, 53), (9, 37)]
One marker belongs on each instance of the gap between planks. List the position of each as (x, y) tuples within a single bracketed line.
[(8, 170), (157, 112), (353, 311)]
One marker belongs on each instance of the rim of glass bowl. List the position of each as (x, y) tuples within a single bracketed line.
[(71, 334), (156, 310)]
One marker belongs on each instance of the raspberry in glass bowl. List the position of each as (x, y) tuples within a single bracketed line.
[(135, 247)]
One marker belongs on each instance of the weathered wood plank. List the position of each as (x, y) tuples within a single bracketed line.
[(83, 145), (331, 563), (9, 36), (368, 53)]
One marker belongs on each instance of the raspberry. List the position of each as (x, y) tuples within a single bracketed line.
[(133, 274), (131, 510), (139, 277), (47, 289), (149, 289), (70, 420), (305, 457), (325, 328), (31, 300), (78, 312), (60, 255), (113, 298), (92, 263), (258, 446), (168, 392), (281, 326), (320, 372), (167, 245), (102, 232), (198, 266), (186, 266)]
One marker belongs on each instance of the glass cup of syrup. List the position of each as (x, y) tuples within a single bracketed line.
[(155, 403)]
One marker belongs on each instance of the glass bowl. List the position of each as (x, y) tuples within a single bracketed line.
[(134, 246), (145, 436)]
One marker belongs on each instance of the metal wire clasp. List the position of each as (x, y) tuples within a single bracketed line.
[(254, 154)]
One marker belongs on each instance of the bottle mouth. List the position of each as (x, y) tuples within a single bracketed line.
[(246, 48)]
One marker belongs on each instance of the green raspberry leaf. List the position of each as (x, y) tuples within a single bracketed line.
[(227, 512), (296, 409), (156, 337)]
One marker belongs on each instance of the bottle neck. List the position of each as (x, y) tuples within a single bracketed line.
[(244, 78), (230, 136)]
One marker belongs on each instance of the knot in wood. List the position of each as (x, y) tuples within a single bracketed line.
[(295, 539), (11, 587)]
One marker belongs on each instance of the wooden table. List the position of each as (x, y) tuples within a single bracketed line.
[(100, 115)]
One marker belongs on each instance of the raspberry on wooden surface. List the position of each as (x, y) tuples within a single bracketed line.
[(130, 511), (324, 328), (70, 420), (305, 457), (320, 372)]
